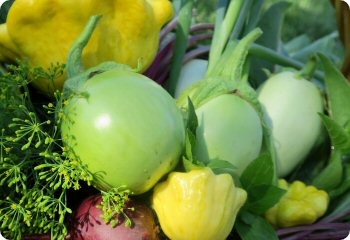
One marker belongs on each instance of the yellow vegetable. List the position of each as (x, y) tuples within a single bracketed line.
[(43, 31), (197, 205), (300, 205)]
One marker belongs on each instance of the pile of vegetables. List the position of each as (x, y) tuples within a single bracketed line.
[(155, 126)]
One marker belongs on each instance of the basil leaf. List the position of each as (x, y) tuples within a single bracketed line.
[(263, 197), (252, 227), (260, 171)]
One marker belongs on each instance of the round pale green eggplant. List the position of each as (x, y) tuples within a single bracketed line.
[(291, 105), (191, 72), (229, 129), (125, 128)]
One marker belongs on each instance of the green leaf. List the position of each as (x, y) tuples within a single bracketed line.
[(339, 207), (344, 186), (252, 227), (189, 145), (325, 45), (254, 16), (190, 165), (294, 45), (5, 7), (338, 92), (263, 197), (258, 172), (222, 32), (271, 24), (191, 127), (332, 174), (226, 75), (189, 161), (192, 120), (222, 166), (339, 136)]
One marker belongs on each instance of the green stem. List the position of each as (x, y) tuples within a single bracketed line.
[(182, 31), (74, 60), (309, 69), (276, 58), (272, 56), (223, 31)]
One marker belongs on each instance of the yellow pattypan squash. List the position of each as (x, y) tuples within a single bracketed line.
[(42, 32)]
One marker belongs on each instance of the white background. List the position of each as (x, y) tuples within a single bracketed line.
[(1, 2)]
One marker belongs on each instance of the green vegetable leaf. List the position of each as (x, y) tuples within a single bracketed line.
[(338, 92), (5, 7), (189, 161), (263, 197), (327, 45), (192, 120), (191, 127), (226, 76), (252, 227), (260, 171), (340, 207), (222, 32), (331, 176), (271, 24), (220, 164), (254, 16), (337, 124), (295, 44), (258, 179), (190, 142), (344, 186), (339, 136)]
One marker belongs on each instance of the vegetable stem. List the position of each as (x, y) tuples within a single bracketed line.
[(308, 70), (223, 30), (274, 57), (74, 60)]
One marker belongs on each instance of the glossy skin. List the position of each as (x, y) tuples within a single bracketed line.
[(128, 130), (191, 72), (291, 105), (88, 224), (197, 205), (229, 129)]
